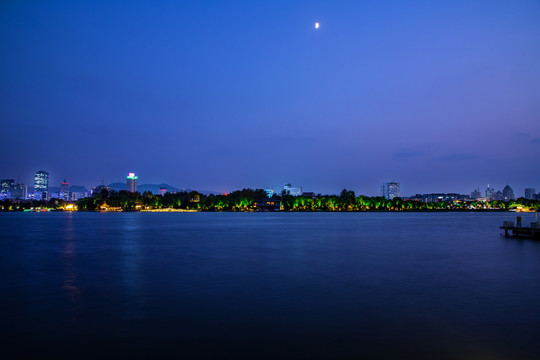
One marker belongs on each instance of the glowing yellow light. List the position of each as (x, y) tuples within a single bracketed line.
[(70, 207)]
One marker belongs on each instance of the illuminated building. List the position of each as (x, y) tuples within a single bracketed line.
[(294, 191), (498, 196), (390, 190), (489, 193), (162, 190), (41, 183), (64, 190), (131, 182), (6, 186), (476, 194), (508, 193), (269, 192), (268, 205), (18, 192), (529, 192), (76, 195)]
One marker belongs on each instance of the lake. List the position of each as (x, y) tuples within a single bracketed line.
[(268, 285)]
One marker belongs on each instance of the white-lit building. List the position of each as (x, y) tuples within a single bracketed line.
[(76, 195), (390, 190), (294, 191), (41, 183)]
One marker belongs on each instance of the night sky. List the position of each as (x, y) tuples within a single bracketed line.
[(442, 96)]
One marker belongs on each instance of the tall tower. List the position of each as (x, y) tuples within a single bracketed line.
[(64, 190), (131, 182), (41, 183), (490, 193)]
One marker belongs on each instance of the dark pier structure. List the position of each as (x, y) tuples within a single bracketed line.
[(520, 231)]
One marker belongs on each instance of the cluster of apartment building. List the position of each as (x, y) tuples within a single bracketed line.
[(17, 190), (506, 194), (391, 190)]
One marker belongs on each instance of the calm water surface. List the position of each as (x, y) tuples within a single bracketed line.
[(259, 285)]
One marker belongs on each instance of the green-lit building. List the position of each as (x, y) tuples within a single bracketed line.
[(131, 182)]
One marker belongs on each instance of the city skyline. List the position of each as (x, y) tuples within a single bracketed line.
[(297, 189), (440, 96)]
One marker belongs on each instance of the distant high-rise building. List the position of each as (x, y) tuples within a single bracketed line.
[(295, 191), (529, 193), (76, 195), (476, 194), (498, 196), (64, 190), (7, 185), (390, 190), (508, 193), (131, 184), (64, 186), (18, 192), (162, 190), (489, 193), (41, 183)]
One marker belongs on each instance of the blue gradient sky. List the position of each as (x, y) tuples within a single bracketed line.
[(443, 96)]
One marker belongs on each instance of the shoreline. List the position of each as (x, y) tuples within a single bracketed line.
[(259, 211)]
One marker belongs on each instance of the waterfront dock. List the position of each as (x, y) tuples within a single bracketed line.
[(518, 230)]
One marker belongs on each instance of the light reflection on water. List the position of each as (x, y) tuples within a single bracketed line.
[(309, 285), (70, 283), (131, 277)]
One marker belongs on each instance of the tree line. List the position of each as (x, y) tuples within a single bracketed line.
[(246, 200)]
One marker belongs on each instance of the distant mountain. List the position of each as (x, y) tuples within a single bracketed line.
[(117, 186), (209, 192), (77, 188)]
